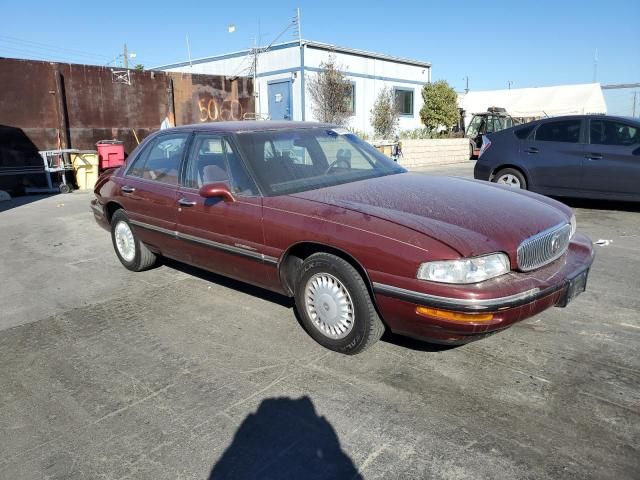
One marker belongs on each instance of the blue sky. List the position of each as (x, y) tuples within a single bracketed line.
[(535, 43)]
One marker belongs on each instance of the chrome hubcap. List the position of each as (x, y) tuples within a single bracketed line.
[(510, 180), (124, 241), (329, 305)]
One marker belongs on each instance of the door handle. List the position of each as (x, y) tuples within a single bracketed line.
[(531, 150), (127, 189), (186, 203), (594, 156)]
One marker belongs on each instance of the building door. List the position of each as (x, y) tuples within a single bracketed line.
[(280, 100)]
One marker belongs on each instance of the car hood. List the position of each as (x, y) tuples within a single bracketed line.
[(469, 216)]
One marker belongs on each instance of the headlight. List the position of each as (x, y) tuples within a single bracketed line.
[(465, 270), (573, 225)]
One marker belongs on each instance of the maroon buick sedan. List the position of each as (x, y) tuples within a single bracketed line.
[(311, 211)]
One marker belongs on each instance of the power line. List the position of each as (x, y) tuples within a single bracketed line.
[(46, 46), (35, 54)]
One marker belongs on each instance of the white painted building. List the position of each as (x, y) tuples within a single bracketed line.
[(284, 69)]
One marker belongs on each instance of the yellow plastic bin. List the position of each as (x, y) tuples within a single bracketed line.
[(85, 165)]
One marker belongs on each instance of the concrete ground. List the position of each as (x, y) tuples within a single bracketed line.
[(176, 373)]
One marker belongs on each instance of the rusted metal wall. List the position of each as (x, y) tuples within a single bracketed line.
[(90, 103)]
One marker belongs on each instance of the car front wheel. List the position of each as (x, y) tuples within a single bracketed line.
[(131, 252), (510, 177), (335, 306)]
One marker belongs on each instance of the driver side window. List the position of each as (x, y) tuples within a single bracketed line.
[(214, 160)]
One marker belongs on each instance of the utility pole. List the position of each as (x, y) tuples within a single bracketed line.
[(509, 82), (255, 78), (299, 25), (635, 94), (189, 51), (126, 57), (466, 89)]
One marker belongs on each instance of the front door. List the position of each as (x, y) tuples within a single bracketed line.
[(280, 100), (148, 192), (554, 157), (612, 164), (221, 236)]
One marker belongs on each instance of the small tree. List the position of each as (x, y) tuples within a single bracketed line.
[(440, 105), (385, 114), (331, 94), (139, 67)]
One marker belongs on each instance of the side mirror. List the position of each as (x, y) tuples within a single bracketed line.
[(217, 190)]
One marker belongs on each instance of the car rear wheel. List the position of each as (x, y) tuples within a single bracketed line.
[(335, 306), (510, 177), (131, 252)]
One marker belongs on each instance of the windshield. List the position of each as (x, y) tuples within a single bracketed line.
[(289, 161), (481, 124), (478, 125)]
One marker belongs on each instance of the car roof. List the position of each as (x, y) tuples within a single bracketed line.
[(578, 117), (250, 126)]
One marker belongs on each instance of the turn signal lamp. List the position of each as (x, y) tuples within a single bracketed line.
[(454, 316)]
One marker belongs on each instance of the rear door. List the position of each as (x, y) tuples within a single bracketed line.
[(554, 156), (612, 158), (148, 192), (224, 237)]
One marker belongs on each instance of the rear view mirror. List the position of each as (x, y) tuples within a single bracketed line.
[(217, 190)]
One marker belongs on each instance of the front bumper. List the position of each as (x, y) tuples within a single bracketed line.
[(99, 214), (539, 290)]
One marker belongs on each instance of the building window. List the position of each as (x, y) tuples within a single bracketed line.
[(404, 101), (350, 100)]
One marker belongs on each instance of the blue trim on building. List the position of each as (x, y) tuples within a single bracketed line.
[(350, 74), (278, 72), (372, 77)]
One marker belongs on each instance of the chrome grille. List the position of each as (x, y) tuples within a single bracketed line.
[(544, 248)]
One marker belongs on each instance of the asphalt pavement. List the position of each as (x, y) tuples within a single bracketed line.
[(176, 373)]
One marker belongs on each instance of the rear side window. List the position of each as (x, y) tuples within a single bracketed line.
[(567, 131), (161, 161), (524, 132), (607, 132)]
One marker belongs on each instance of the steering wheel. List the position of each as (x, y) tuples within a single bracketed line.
[(335, 163)]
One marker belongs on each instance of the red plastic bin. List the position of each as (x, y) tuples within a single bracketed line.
[(110, 154)]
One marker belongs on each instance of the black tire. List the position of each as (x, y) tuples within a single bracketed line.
[(367, 327), (64, 188), (143, 258), (471, 156), (515, 173)]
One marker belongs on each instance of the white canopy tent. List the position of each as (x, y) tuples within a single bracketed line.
[(537, 102)]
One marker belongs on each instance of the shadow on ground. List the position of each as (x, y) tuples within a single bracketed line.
[(600, 204), (285, 439), (229, 283), (287, 302), (22, 200), (414, 344)]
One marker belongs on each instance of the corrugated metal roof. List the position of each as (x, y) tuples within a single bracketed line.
[(311, 44), (365, 53)]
